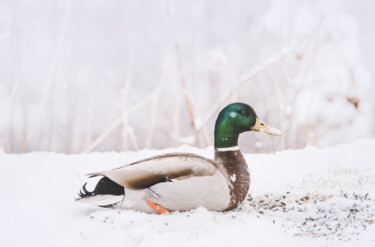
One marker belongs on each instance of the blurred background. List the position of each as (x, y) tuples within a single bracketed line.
[(94, 75)]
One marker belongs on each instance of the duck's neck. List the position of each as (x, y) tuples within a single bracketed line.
[(225, 138), (228, 155)]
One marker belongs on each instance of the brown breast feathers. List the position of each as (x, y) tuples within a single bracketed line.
[(235, 165)]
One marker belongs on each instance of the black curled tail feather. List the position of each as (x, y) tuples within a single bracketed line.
[(105, 186), (84, 192)]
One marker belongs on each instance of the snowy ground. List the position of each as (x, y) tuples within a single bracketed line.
[(311, 197)]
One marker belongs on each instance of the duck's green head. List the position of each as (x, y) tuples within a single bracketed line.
[(235, 119)]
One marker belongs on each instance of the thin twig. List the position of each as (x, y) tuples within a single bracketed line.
[(183, 85), (89, 110), (50, 121), (123, 109), (152, 121), (133, 138), (176, 123), (188, 103), (70, 128), (50, 78), (25, 130), (125, 90), (16, 70), (57, 54)]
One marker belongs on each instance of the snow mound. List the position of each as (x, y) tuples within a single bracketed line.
[(310, 197)]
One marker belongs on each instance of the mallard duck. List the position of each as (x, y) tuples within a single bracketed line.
[(184, 181)]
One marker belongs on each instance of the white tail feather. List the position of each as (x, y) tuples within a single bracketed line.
[(101, 200)]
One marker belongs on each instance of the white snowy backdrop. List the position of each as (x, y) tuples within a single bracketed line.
[(107, 75), (94, 75)]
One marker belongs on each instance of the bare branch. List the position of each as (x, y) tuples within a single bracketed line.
[(183, 85), (58, 52), (152, 121)]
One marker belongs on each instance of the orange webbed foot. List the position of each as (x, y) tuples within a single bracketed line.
[(158, 208)]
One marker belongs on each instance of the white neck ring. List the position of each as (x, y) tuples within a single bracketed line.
[(235, 148)]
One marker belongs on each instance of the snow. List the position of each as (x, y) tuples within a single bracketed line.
[(292, 195)]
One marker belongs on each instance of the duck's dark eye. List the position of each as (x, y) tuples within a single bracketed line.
[(244, 113)]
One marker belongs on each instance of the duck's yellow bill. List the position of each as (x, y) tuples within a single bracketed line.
[(261, 127)]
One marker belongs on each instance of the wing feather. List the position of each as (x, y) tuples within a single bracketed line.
[(148, 172)]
